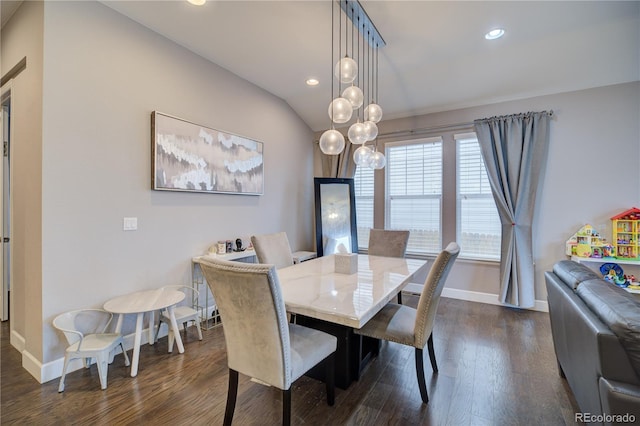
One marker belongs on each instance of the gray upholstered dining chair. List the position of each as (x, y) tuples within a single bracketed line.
[(414, 327), (273, 249), (390, 243), (260, 342)]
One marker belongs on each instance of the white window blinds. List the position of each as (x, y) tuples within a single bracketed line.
[(363, 185), (414, 192), (478, 223)]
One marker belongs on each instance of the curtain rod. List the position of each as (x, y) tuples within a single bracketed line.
[(424, 130)]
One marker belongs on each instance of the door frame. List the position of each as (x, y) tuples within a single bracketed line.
[(6, 284)]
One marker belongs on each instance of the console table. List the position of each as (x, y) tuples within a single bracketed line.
[(208, 320)]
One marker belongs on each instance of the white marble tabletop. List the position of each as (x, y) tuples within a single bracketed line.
[(314, 289)]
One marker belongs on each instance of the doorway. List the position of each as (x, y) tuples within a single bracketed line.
[(5, 217)]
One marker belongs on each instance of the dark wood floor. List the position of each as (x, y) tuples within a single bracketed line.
[(497, 367)]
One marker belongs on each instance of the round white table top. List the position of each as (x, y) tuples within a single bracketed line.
[(144, 301)]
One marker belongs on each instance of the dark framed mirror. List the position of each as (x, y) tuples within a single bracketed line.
[(336, 229)]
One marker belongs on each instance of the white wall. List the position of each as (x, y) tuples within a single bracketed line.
[(592, 173), (103, 76)]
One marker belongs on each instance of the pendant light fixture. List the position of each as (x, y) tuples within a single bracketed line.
[(362, 156), (371, 128), (373, 111), (353, 93), (332, 141), (357, 132), (347, 70), (377, 160)]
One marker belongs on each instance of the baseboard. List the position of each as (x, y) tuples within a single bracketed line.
[(33, 366), (488, 298), (17, 341), (29, 362)]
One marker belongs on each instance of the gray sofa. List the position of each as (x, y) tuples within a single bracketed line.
[(596, 336)]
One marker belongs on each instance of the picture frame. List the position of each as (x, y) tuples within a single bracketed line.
[(193, 158)]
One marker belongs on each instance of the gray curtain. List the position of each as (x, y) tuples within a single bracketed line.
[(338, 166), (514, 149)]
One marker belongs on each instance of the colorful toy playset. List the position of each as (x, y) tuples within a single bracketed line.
[(613, 273), (626, 232), (588, 243)]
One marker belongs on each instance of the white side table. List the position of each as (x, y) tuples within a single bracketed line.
[(146, 301)]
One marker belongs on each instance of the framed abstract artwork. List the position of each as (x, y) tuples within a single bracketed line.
[(194, 158)]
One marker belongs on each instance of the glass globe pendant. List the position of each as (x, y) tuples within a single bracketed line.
[(354, 95), (346, 70), (331, 142), (362, 156), (378, 160), (340, 110), (373, 112), (371, 129), (357, 133)]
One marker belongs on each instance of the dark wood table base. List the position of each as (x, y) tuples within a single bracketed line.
[(353, 352)]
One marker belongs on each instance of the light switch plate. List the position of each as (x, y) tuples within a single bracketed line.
[(130, 224)]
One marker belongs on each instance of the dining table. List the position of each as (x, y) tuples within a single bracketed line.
[(139, 303), (321, 297)]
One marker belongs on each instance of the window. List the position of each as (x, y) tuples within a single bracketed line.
[(478, 224), (425, 179), (414, 192), (363, 185)]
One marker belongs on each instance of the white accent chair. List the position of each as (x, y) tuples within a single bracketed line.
[(184, 312), (390, 243), (414, 327), (273, 249), (260, 342), (85, 329)]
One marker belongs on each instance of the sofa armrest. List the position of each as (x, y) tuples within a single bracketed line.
[(619, 400), (575, 332), (572, 273)]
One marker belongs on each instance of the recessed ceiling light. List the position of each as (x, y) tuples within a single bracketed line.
[(494, 34), (312, 82), (197, 2)]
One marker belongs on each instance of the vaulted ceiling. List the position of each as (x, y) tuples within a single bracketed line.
[(435, 58)]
